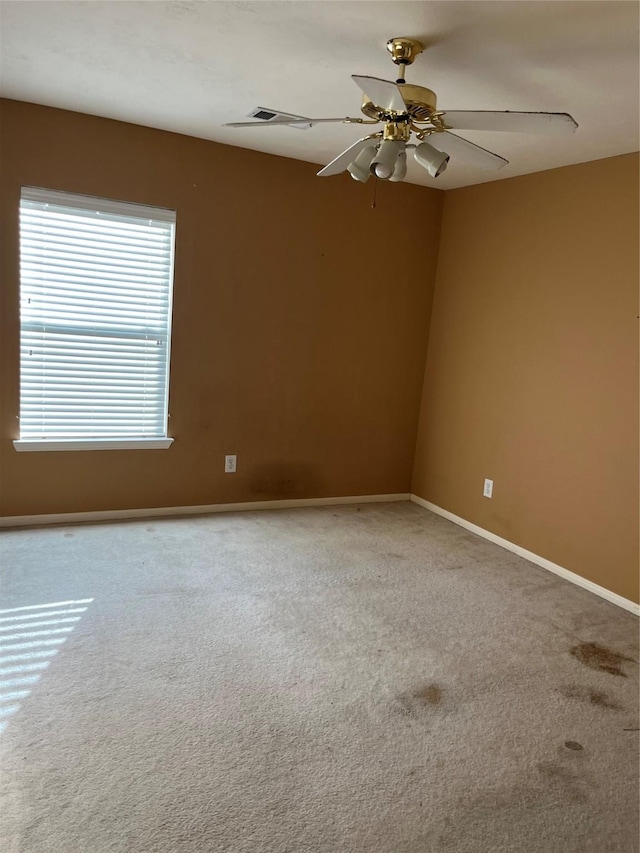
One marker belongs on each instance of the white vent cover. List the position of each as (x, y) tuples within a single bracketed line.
[(267, 115)]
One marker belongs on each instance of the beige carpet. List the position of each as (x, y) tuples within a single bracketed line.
[(368, 678)]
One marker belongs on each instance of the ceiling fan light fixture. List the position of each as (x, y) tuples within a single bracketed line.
[(434, 161), (400, 171), (384, 162), (360, 168)]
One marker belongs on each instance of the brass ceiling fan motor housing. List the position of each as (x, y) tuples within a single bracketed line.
[(421, 103)]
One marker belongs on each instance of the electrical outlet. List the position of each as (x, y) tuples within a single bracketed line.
[(488, 489), (230, 463)]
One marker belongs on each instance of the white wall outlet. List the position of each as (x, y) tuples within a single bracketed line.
[(488, 489), (230, 463)]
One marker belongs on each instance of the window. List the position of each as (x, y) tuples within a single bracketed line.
[(95, 322)]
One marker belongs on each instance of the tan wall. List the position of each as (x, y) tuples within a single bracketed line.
[(291, 347), (532, 368)]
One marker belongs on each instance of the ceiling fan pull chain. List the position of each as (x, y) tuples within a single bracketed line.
[(375, 187)]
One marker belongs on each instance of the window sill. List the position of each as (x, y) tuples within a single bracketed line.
[(30, 445)]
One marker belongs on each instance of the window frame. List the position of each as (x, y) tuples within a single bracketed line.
[(108, 206)]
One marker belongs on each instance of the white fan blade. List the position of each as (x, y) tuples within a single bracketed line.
[(340, 163), (382, 93), (508, 121), (472, 154), (307, 123), (303, 123)]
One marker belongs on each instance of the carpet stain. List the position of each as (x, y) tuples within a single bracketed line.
[(413, 704), (587, 694), (150, 529), (600, 658), (573, 744), (562, 778), (554, 771), (431, 694), (68, 535)]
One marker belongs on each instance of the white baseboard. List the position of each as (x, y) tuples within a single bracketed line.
[(613, 597), (121, 514)]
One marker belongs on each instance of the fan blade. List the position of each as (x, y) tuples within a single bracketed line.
[(340, 163), (303, 123), (472, 154), (382, 93), (508, 121)]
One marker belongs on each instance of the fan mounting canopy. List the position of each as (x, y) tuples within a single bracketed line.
[(404, 50)]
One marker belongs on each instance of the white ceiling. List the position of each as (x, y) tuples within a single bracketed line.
[(191, 66)]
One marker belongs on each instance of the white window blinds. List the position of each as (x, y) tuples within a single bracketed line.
[(95, 317)]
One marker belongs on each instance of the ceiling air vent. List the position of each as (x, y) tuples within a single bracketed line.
[(267, 115)]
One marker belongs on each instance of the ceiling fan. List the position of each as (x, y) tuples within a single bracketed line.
[(406, 110)]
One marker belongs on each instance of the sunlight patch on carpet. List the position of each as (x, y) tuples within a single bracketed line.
[(22, 656)]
